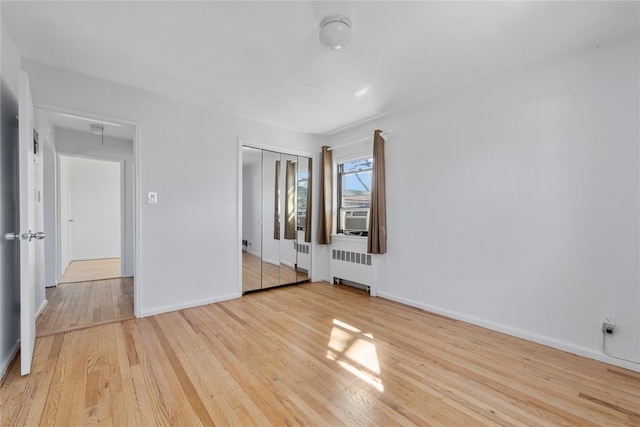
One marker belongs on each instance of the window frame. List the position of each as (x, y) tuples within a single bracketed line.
[(339, 163)]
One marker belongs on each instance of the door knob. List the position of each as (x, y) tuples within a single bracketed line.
[(12, 236), (38, 235)]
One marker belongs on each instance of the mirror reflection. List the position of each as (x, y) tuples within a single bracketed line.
[(303, 237), (251, 219), (276, 219)]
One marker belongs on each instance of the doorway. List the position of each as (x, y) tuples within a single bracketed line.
[(90, 212), (91, 227)]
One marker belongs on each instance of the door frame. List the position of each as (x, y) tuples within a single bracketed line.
[(136, 189), (59, 205), (279, 149)]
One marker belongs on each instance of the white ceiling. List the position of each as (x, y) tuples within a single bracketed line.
[(263, 59)]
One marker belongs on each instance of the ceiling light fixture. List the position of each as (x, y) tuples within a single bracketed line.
[(89, 120), (335, 31), (97, 129)]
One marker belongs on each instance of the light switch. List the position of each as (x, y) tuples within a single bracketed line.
[(152, 197)]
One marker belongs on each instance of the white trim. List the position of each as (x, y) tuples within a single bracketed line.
[(42, 307), (288, 264), (345, 238), (529, 336), (360, 155), (271, 261), (271, 147), (123, 218), (7, 361), (368, 138), (258, 254), (356, 124), (239, 195), (137, 220), (197, 303), (137, 142), (83, 113), (122, 191)]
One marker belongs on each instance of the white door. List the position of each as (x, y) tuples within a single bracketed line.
[(27, 223)]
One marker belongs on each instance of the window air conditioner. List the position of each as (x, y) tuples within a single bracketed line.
[(354, 220)]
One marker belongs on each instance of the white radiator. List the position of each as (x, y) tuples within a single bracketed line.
[(349, 260)]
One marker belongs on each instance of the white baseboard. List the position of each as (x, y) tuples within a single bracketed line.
[(529, 336), (271, 261), (169, 308), (288, 264), (41, 309), (254, 253), (7, 360)]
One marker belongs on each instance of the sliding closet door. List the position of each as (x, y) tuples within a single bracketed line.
[(251, 219), (304, 210), (276, 219), (272, 186), (289, 226)]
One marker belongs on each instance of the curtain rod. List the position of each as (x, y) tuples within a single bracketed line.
[(383, 133)]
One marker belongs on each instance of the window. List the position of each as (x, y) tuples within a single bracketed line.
[(354, 185)]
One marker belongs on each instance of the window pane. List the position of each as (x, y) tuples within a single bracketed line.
[(356, 189), (358, 165)]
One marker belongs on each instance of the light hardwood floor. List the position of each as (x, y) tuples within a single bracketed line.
[(92, 269), (258, 274), (314, 354), (79, 305)]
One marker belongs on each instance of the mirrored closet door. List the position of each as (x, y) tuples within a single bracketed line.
[(276, 219)]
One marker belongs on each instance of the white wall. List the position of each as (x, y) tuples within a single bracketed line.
[(514, 204), (65, 253), (188, 242), (252, 206), (50, 213), (46, 266), (270, 246), (94, 201), (86, 144)]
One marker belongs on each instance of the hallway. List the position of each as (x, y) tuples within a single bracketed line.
[(74, 306)]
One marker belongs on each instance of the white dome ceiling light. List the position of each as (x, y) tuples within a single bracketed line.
[(335, 31)]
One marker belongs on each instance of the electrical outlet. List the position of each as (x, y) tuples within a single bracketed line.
[(609, 319)]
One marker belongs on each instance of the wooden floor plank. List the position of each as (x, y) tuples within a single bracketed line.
[(91, 270), (73, 306), (314, 354)]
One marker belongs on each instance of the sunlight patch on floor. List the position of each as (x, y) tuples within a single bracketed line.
[(355, 352)]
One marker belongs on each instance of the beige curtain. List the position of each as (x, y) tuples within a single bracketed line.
[(325, 198), (307, 226), (377, 240), (290, 202), (276, 204)]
